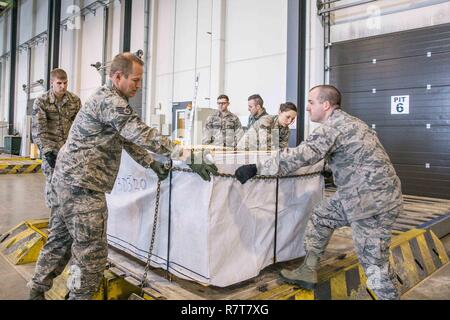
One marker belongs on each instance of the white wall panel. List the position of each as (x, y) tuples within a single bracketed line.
[(40, 16), (314, 72), (184, 87), (185, 35), (137, 26), (165, 30), (5, 33), (255, 28), (25, 15), (4, 64), (204, 38), (69, 56), (255, 52), (32, 18), (4, 90), (192, 51), (163, 95), (91, 52), (38, 68), (164, 44), (266, 76), (114, 29), (21, 96)]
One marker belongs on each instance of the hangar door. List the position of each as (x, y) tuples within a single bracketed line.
[(399, 84)]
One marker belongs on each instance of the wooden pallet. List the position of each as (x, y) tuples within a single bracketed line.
[(417, 210)]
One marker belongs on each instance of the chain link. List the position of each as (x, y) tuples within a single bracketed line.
[(258, 177), (152, 241)]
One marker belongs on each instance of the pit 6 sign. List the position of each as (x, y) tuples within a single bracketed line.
[(399, 104)]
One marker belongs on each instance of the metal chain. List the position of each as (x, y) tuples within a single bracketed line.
[(152, 241), (258, 177)]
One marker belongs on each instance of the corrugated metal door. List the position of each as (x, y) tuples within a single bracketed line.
[(371, 72)]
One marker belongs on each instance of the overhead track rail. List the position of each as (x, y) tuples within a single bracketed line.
[(322, 4)]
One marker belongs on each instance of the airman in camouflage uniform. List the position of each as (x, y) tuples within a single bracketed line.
[(270, 132), (368, 196), (86, 169), (256, 109), (222, 128), (53, 115)]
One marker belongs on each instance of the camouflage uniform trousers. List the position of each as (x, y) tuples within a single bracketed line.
[(78, 232), (371, 238), (48, 172)]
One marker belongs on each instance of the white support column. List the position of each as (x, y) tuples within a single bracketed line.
[(218, 49), (314, 58), (151, 61), (78, 49)]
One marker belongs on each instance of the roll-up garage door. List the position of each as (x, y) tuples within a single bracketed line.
[(399, 84)]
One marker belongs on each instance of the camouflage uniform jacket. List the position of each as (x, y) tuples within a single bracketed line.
[(222, 129), (366, 181), (265, 134), (52, 120), (105, 124), (253, 119)]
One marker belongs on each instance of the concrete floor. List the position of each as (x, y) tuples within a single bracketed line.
[(435, 287), (12, 284), (22, 197)]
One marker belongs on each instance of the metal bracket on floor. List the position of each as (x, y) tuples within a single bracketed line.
[(415, 255), (22, 244)]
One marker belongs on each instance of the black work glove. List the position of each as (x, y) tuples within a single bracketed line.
[(204, 170), (161, 169), (245, 172), (327, 174), (51, 158), (328, 178)]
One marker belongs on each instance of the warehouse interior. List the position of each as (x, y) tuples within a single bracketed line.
[(185, 238)]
